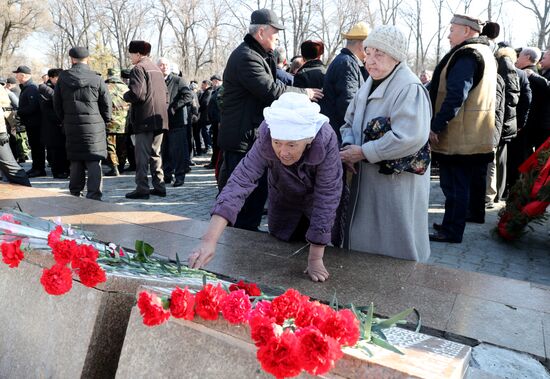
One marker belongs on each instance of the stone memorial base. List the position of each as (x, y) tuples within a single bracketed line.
[(216, 349), (76, 335)]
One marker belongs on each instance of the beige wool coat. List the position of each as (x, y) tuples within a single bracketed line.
[(388, 214)]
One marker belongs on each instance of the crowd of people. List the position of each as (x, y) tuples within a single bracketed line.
[(341, 154)]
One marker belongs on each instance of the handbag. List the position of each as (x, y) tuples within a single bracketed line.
[(416, 163)]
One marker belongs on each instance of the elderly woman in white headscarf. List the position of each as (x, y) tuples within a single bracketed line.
[(299, 148), (385, 146)]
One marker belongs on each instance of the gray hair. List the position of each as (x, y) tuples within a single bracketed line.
[(254, 28), (533, 53), (355, 42), (163, 60)]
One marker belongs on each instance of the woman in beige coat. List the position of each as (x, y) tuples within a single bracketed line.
[(388, 213)]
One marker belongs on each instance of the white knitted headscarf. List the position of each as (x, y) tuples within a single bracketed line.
[(389, 39), (293, 117)]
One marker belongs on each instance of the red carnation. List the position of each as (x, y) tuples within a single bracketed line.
[(287, 305), (535, 208), (279, 356), (313, 313), (84, 252), (90, 273), (263, 308), (57, 280), (208, 301), (63, 251), (317, 351), (251, 289), (150, 307), (55, 236), (9, 218), (12, 253), (262, 329), (236, 306), (343, 326), (182, 304)]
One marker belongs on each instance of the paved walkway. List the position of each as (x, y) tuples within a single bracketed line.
[(481, 251)]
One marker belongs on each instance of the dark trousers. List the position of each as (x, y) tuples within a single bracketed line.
[(197, 138), (464, 188), (518, 152), (175, 153), (250, 216), (10, 168), (148, 158), (189, 135), (215, 149), (78, 179), (501, 157), (38, 151), (58, 160), (130, 153)]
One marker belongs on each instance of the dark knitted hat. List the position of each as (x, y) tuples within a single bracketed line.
[(491, 30), (79, 52), (54, 72), (11, 80), (312, 49), (140, 47)]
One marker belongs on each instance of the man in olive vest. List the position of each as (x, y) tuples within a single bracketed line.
[(116, 147), (463, 94)]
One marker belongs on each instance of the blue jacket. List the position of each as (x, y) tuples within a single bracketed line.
[(343, 78)]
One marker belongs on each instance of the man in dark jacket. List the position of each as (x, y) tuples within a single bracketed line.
[(29, 115), (250, 85), (517, 148), (53, 134), (174, 145), (312, 72), (82, 102), (538, 123), (344, 76), (148, 96), (201, 127), (214, 118)]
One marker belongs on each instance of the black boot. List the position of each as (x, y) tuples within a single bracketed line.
[(113, 171)]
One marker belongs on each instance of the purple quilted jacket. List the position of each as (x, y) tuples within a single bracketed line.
[(311, 187)]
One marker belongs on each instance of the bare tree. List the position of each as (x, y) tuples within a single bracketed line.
[(123, 19), (18, 19), (300, 14), (388, 11), (541, 10)]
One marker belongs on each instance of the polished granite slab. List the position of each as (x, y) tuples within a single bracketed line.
[(509, 313)]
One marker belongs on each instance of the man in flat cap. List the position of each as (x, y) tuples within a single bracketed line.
[(82, 102), (250, 85), (463, 141), (344, 76), (148, 96), (29, 115)]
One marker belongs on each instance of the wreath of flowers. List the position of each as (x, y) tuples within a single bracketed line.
[(70, 257), (292, 333), (529, 197)]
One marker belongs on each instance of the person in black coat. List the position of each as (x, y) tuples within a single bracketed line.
[(29, 115), (250, 85), (214, 116), (52, 130), (312, 73), (538, 123), (174, 144), (344, 76), (83, 103), (201, 127)]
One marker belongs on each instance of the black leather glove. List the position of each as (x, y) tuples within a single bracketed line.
[(4, 138)]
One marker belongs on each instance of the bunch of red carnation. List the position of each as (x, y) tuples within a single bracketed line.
[(82, 260), (12, 254), (291, 332)]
